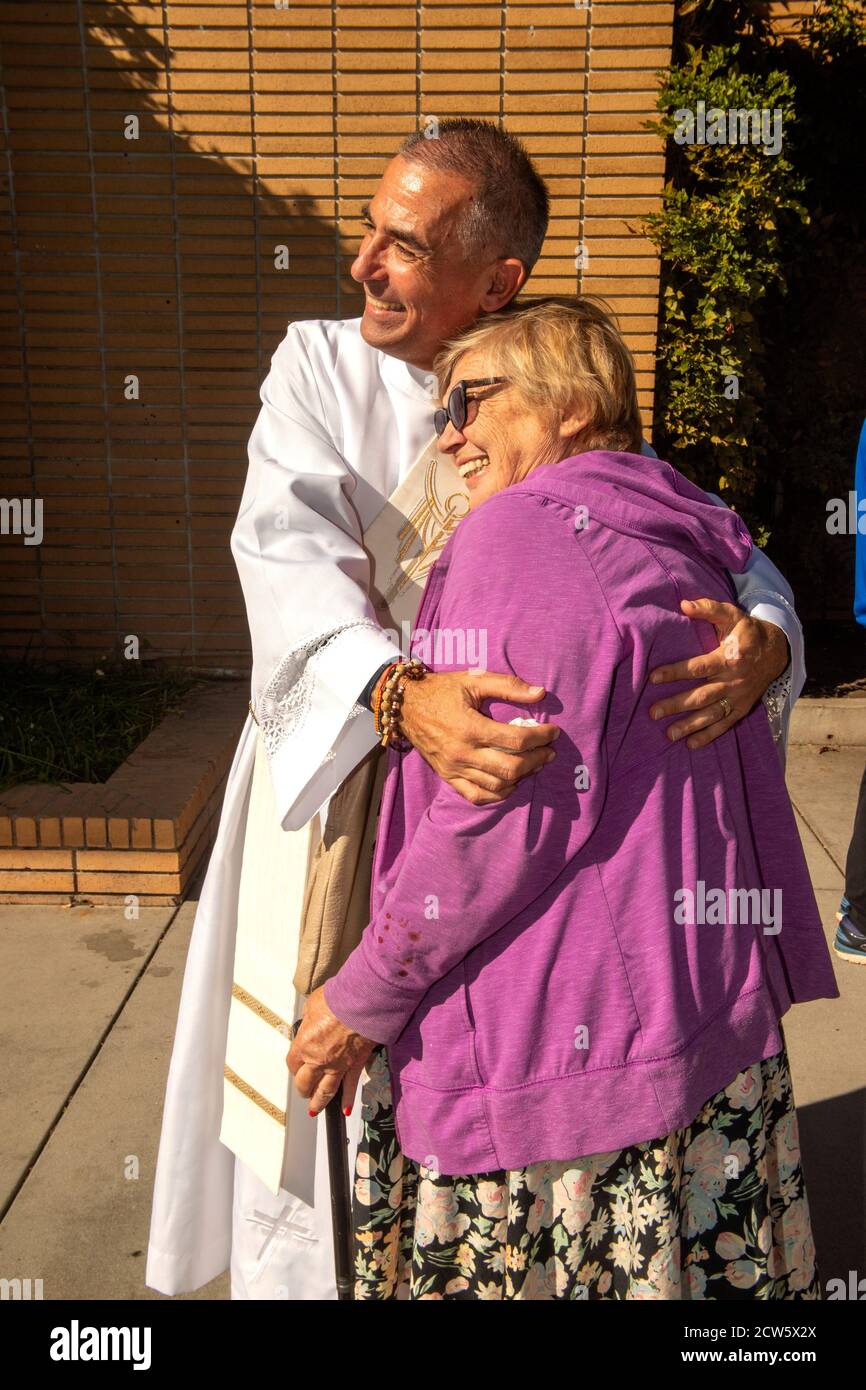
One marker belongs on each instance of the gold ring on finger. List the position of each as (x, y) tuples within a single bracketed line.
[(726, 706)]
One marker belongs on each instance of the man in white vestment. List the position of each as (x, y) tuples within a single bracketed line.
[(453, 230)]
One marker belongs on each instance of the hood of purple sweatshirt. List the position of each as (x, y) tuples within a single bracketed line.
[(649, 499)]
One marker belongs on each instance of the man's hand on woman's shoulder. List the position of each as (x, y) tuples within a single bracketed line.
[(751, 654), (483, 759)]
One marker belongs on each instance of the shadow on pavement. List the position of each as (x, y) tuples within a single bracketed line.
[(833, 1146)]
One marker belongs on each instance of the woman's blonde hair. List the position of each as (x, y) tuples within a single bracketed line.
[(560, 352)]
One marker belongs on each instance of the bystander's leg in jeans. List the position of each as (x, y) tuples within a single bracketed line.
[(850, 941)]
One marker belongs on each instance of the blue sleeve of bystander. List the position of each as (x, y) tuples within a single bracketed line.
[(860, 554)]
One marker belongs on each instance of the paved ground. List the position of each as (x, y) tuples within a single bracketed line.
[(89, 1005)]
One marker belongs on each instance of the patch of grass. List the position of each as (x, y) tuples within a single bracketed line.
[(70, 724)]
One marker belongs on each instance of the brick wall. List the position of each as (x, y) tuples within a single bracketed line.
[(154, 257), (787, 15)]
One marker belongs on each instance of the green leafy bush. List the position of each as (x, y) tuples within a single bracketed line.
[(764, 274), (719, 236)]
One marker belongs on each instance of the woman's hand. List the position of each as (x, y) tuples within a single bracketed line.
[(750, 655), (325, 1054)]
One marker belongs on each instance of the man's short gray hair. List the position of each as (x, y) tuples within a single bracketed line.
[(509, 215)]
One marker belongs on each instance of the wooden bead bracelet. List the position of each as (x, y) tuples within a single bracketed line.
[(388, 700)]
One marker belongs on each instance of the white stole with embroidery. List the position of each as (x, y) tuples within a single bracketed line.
[(264, 1120)]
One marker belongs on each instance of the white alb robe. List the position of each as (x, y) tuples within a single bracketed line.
[(340, 426)]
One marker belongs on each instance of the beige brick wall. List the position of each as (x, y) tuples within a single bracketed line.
[(154, 257), (787, 15)]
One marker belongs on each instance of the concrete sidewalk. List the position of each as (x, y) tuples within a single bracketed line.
[(90, 1003)]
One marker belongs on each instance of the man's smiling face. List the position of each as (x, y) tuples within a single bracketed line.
[(419, 287)]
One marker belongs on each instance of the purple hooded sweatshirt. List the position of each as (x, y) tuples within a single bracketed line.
[(579, 967)]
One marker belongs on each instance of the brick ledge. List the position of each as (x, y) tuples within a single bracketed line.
[(144, 832)]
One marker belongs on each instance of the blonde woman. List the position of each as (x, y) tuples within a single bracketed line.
[(577, 1081)]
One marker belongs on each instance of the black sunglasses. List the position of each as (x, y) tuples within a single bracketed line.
[(456, 409)]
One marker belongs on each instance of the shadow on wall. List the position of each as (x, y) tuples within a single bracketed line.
[(317, 280), (164, 270)]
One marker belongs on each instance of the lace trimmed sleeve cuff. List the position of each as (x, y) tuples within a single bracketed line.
[(314, 729)]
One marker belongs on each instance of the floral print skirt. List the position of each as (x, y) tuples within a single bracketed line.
[(714, 1211)]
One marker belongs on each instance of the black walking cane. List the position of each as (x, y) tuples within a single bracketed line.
[(341, 1193), (341, 1198)]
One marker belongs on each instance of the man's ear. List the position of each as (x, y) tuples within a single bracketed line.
[(507, 278)]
